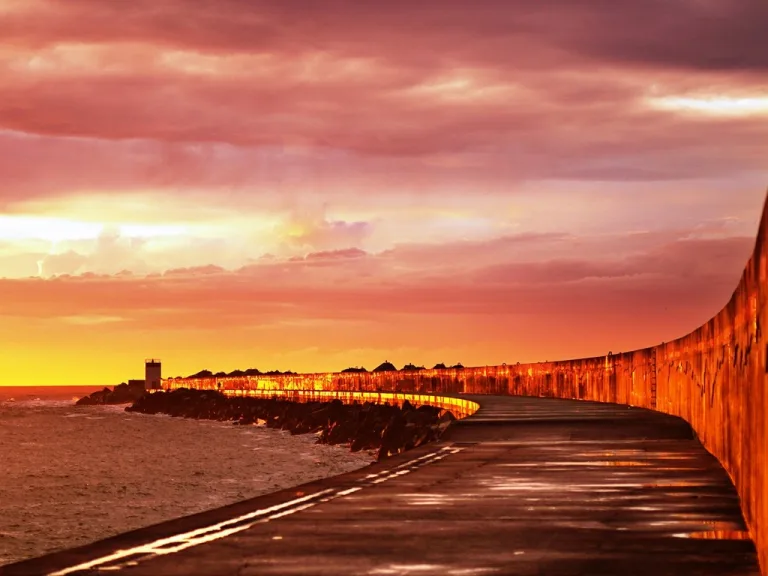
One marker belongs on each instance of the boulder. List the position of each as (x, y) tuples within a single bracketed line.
[(383, 427), (122, 394)]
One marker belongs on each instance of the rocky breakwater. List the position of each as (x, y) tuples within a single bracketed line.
[(382, 427), (121, 394)]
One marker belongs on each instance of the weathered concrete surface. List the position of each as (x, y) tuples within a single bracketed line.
[(525, 486), (715, 378)]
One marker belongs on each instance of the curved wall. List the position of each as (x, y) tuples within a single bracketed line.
[(714, 378)]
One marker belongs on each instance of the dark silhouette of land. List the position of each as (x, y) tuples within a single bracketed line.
[(121, 394)]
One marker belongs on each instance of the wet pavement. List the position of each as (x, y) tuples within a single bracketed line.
[(526, 486)]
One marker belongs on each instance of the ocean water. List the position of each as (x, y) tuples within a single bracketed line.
[(72, 475)]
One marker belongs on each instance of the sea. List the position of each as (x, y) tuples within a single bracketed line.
[(70, 475)]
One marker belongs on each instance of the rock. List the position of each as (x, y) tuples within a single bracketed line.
[(447, 416), (388, 429), (122, 394), (125, 393)]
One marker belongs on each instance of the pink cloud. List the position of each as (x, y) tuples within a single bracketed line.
[(469, 166), (374, 286), (336, 254), (476, 96)]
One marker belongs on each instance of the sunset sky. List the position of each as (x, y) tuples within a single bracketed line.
[(313, 185)]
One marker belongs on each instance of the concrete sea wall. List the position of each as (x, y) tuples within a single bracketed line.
[(714, 378)]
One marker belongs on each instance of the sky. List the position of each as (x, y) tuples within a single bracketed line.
[(226, 184)]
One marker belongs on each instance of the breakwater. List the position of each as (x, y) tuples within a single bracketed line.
[(387, 428), (714, 378), (121, 394)]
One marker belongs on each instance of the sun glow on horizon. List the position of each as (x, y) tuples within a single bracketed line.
[(152, 230), (51, 229), (55, 230)]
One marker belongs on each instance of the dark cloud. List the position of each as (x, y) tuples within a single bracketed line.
[(692, 34), (705, 34)]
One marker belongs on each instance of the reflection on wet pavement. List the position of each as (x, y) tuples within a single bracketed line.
[(716, 535)]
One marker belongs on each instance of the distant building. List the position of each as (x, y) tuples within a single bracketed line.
[(152, 374)]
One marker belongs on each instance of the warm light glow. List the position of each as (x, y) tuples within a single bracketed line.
[(456, 89), (148, 231), (713, 106), (60, 229), (91, 320), (51, 229)]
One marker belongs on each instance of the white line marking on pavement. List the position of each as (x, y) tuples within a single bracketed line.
[(173, 544)]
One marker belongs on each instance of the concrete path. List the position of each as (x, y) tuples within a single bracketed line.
[(526, 486)]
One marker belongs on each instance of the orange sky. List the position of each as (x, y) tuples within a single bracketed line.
[(227, 184)]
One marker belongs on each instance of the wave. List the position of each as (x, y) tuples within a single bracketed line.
[(36, 403)]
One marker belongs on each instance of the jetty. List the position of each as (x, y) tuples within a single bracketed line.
[(524, 486)]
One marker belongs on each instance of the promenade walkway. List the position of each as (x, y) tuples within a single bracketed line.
[(526, 486)]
